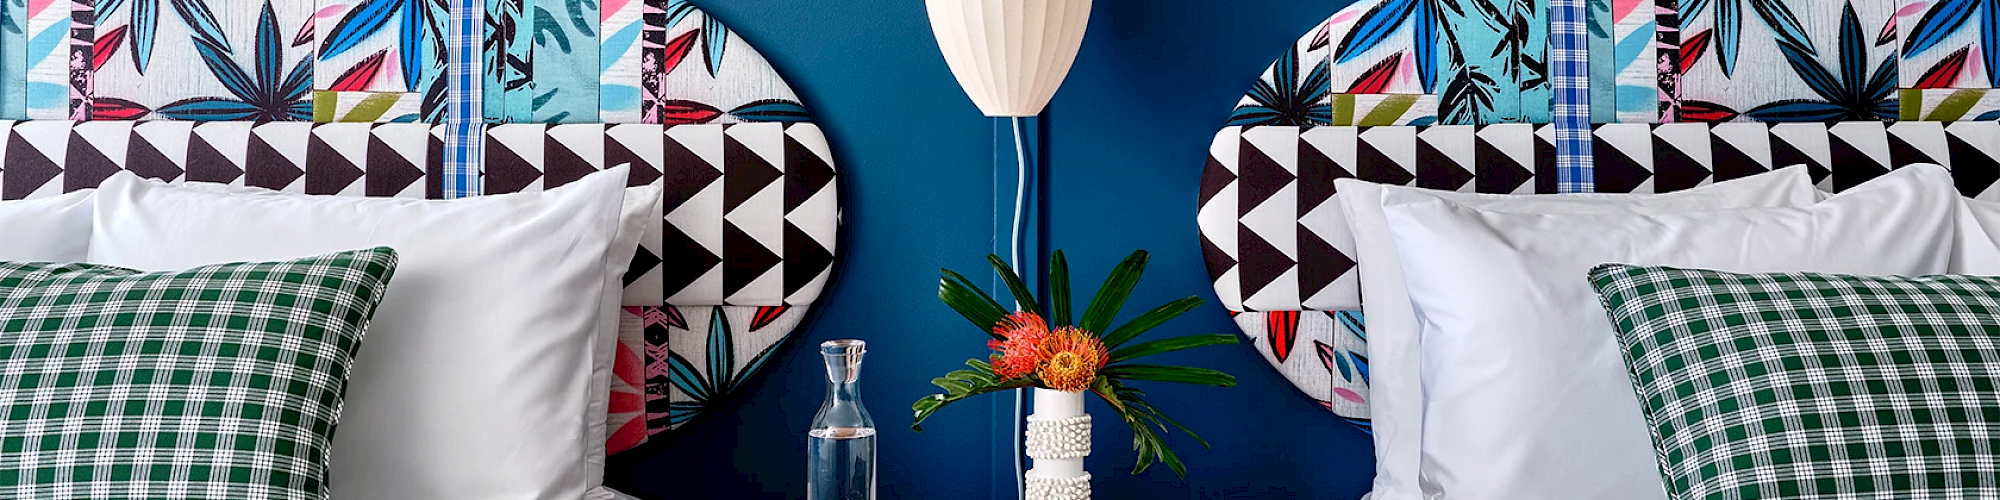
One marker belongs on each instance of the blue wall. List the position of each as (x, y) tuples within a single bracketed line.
[(1125, 143)]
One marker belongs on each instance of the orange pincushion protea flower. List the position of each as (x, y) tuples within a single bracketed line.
[(1073, 358), (1021, 351)]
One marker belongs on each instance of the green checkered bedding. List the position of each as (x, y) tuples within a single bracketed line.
[(1813, 385), (220, 382)]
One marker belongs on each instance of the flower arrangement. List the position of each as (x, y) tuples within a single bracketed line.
[(1087, 353)]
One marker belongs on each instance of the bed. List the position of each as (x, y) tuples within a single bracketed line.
[(1681, 95)]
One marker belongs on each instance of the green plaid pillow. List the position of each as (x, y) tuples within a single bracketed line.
[(220, 382), (1813, 385)]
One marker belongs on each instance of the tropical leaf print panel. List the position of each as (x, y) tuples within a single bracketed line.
[(1494, 62), (1375, 42), (567, 63), (709, 75), (620, 55), (13, 58), (379, 45), (1744, 60), (1635, 59), (715, 352), (48, 60), (1945, 43), (246, 62)]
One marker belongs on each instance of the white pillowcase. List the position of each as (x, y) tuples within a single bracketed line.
[(482, 373), (1395, 394), (52, 229), (1978, 249), (1525, 392)]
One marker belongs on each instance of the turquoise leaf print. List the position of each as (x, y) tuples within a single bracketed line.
[(1946, 17), (705, 391), (1853, 94), (146, 25), (1288, 97), (418, 34), (264, 92), (714, 37), (1388, 18), (1729, 26)]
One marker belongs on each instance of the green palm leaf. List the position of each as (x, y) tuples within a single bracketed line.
[(1176, 374), (1023, 299), (1059, 297), (1150, 348), (1146, 322), (962, 296), (1111, 296)]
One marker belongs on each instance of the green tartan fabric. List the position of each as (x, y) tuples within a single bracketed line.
[(220, 382), (1820, 386)]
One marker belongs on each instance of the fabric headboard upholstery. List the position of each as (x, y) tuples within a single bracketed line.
[(745, 245), (1271, 232)]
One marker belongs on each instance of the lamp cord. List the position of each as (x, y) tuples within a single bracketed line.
[(1019, 227)]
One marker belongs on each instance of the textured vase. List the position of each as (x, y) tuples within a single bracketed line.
[(1058, 438), (1009, 55)]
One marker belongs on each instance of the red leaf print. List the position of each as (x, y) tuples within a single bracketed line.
[(1377, 78), (357, 78), (1284, 330), (1946, 72), (766, 316), (673, 317), (677, 50), (112, 108), (679, 112), (1703, 111), (1326, 355), (106, 46), (1693, 47)]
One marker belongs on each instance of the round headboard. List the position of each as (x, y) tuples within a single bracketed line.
[(1456, 96)]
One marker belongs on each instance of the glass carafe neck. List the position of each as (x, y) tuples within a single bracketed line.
[(843, 398)]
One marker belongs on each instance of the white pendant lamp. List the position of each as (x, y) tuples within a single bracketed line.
[(1009, 55)]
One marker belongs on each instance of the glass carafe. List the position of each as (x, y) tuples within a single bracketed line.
[(841, 447)]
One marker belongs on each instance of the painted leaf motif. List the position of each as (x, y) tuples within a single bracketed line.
[(1888, 34), (1331, 358), (721, 349), (767, 315), (201, 22), (307, 31), (1283, 328), (360, 23), (1694, 46), (673, 317), (771, 110), (1377, 78), (714, 43), (1946, 72), (682, 112), (1797, 110), (1944, 18), (209, 108), (1704, 111), (410, 44), (687, 379), (105, 46), (1354, 322), (357, 78), (677, 50), (1989, 116), (1374, 28), (112, 108), (1360, 364)]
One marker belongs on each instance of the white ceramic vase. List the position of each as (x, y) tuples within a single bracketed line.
[(1058, 438)]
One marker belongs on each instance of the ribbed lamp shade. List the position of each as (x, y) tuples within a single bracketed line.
[(1009, 55)]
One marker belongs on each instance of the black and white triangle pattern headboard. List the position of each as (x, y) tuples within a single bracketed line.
[(1279, 251)]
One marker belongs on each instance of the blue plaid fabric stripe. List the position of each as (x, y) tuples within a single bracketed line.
[(1569, 61), (465, 127)]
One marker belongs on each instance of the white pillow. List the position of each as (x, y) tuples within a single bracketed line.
[(1394, 393), (479, 375), (52, 229), (1525, 392), (1978, 249)]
